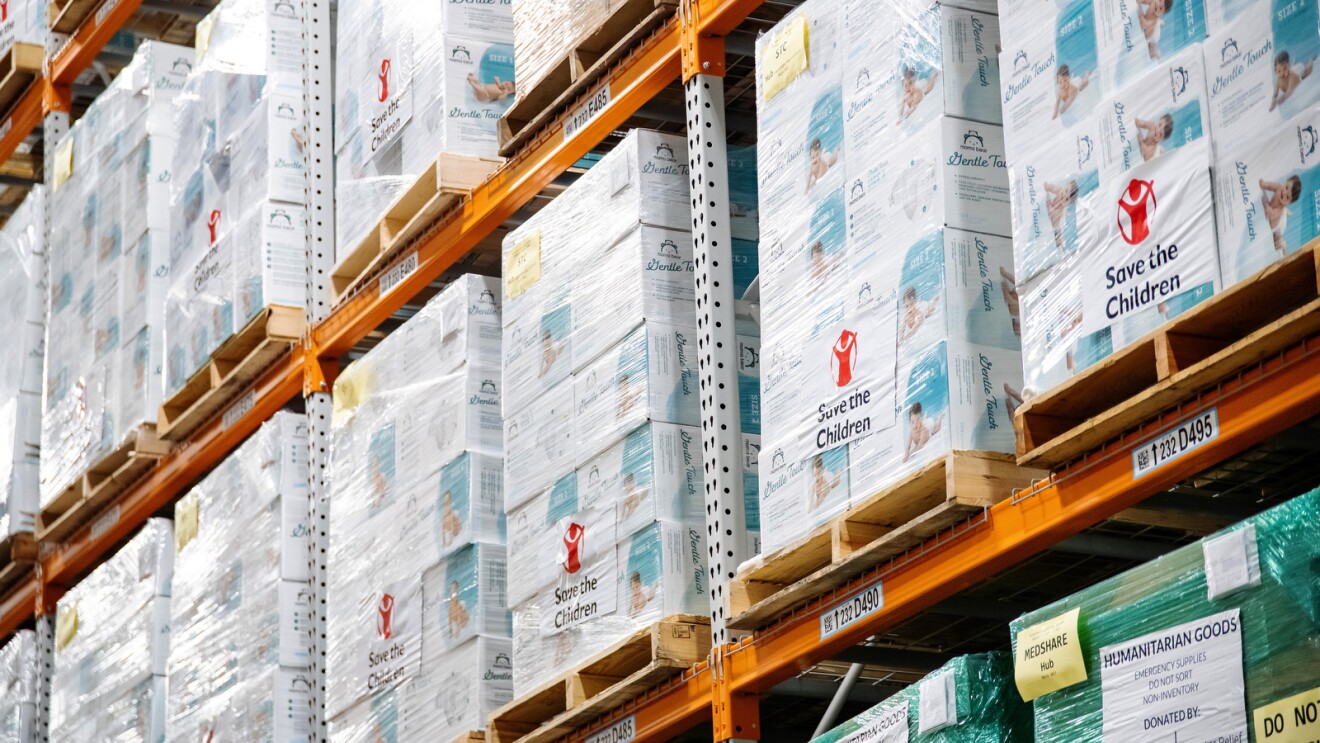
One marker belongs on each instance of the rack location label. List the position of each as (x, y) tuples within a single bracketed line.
[(586, 111), (623, 731), (1169, 446), (853, 609), (395, 276)]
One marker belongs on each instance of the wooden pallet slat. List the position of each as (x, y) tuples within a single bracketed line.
[(940, 495), (1255, 319), (19, 66), (66, 16), (537, 104), (622, 672), (437, 190), (231, 368), (106, 478), (18, 552)]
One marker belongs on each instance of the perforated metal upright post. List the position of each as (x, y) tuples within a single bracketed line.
[(318, 95), (45, 668)]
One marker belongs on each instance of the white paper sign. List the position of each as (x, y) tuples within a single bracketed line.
[(385, 94), (1181, 684), (390, 626), (939, 703), (1231, 561), (586, 570), (891, 727)]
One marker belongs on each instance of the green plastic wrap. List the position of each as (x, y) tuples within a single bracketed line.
[(986, 708), (1279, 636)]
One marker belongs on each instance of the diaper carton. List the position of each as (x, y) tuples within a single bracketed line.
[(655, 472), (1133, 36), (538, 444), (1162, 110)]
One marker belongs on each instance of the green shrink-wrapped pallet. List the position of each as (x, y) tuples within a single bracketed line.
[(1217, 641), (967, 700)]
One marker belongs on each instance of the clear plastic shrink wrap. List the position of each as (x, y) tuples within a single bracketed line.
[(23, 329), (970, 699), (417, 620), (111, 644), (22, 21), (1204, 643), (413, 80), (239, 228), (238, 657), (109, 266), (18, 687), (888, 308)]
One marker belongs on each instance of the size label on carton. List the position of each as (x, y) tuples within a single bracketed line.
[(860, 605), (1184, 683), (1049, 656), (785, 58), (1292, 720)]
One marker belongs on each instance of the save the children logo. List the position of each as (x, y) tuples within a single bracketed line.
[(1229, 51), (1136, 209), (385, 617), (1178, 78), (213, 224), (384, 77), (575, 537), (1306, 141), (4, 10), (843, 358)]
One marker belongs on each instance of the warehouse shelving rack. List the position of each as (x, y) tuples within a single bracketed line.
[(1253, 405)]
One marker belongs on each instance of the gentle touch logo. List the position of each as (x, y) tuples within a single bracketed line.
[(280, 218), (1085, 148), (843, 358), (1136, 210), (460, 53), (284, 111), (284, 9), (181, 67), (488, 387), (748, 358), (864, 294), (1020, 63), (669, 249), (385, 617), (857, 192), (972, 135), (1178, 78), (664, 152), (777, 459), (1306, 142), (384, 78), (1229, 51)]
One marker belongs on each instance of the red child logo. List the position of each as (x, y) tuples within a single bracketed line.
[(1136, 210), (213, 224), (574, 541), (385, 617), (384, 80), (4, 10), (843, 358)]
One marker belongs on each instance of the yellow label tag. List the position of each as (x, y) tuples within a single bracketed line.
[(524, 265), (1049, 656), (351, 388), (785, 58), (66, 625), (63, 163), (185, 521), (202, 40), (1292, 720)]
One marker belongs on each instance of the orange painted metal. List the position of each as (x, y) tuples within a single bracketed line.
[(25, 116), (635, 81), (1281, 392), (663, 714), (90, 38)]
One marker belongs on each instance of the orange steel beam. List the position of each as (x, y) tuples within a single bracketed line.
[(25, 116), (1281, 392), (668, 713), (634, 82), (19, 605), (90, 38), (174, 474), (720, 17)]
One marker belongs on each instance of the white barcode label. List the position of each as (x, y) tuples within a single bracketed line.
[(240, 408), (1173, 444), (398, 273), (623, 731), (105, 11), (853, 609), (105, 523), (588, 110)]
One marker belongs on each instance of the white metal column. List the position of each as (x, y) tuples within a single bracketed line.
[(45, 667), (717, 344), (318, 95)]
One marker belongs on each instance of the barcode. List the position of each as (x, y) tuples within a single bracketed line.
[(240, 408), (105, 11), (397, 274), (105, 523)]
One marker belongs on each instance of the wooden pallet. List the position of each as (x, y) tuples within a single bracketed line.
[(1253, 320), (936, 497), (233, 366), (84, 498), (66, 16), (472, 736), (597, 51), (611, 678), (18, 552), (436, 191), (18, 68)]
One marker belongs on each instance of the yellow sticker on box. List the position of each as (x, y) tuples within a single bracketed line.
[(1292, 720), (63, 163), (185, 521), (66, 625), (785, 58), (523, 268), (1049, 656)]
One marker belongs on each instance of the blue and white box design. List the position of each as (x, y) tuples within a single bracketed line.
[(470, 502), (654, 473), (538, 445), (464, 595), (1134, 36), (1166, 108), (799, 494), (1266, 197), (456, 693), (1055, 189), (560, 532)]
